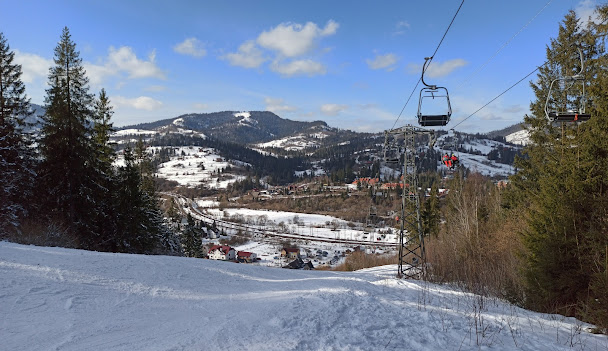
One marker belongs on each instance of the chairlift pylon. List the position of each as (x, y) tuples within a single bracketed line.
[(433, 92), (569, 112)]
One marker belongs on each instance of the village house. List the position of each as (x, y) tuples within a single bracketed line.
[(221, 252), (365, 182), (291, 253), (246, 257)]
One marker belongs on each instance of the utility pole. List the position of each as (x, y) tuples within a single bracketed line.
[(412, 256)]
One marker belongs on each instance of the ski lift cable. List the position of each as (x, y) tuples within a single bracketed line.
[(502, 47), (499, 95), (511, 87), (436, 49)]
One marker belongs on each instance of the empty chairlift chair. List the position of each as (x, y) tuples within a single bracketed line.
[(566, 98), (433, 92)]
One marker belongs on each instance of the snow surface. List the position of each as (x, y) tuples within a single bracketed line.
[(294, 143), (64, 299), (310, 225), (185, 167), (520, 138), (126, 132)]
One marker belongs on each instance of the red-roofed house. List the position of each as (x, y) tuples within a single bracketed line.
[(244, 256), (221, 252)]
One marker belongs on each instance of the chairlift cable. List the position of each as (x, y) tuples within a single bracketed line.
[(512, 86), (501, 94), (436, 49), (502, 47)]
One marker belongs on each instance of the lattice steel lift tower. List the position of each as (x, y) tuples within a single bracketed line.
[(411, 236)]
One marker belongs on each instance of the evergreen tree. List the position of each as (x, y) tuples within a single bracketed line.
[(140, 224), (192, 242), (430, 213), (16, 162), (561, 183), (65, 170), (103, 170)]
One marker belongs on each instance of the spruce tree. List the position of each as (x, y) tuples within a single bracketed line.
[(65, 146), (561, 183), (103, 170), (192, 242), (16, 162)]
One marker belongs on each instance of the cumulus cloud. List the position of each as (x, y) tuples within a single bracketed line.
[(33, 67), (140, 103), (293, 39), (277, 105), (248, 56), (436, 69), (298, 68), (192, 47), (332, 109), (124, 59), (383, 62)]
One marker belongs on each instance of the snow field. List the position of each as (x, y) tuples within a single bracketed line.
[(185, 168), (63, 299)]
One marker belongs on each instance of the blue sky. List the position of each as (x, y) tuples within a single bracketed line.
[(352, 64)]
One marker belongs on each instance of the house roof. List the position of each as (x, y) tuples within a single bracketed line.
[(290, 249), (222, 248), (244, 254)]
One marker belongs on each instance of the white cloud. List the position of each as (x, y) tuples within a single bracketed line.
[(403, 24), (33, 67), (293, 39), (124, 59), (299, 67), (276, 105), (400, 27), (248, 56), (139, 103), (332, 109), (97, 73), (436, 69), (585, 10), (383, 61), (192, 47)]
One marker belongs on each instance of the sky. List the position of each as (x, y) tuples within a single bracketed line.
[(352, 64)]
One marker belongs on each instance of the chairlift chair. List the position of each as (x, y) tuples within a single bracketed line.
[(433, 92), (392, 154), (571, 113)]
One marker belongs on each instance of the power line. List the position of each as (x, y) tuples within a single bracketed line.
[(436, 49)]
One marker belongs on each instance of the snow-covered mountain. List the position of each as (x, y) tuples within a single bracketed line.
[(65, 299), (247, 127)]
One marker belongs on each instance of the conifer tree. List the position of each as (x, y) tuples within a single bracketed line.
[(16, 162), (103, 170), (192, 239), (561, 183), (65, 172)]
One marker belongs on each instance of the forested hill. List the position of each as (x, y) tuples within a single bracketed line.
[(241, 127)]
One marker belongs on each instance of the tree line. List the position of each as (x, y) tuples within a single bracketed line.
[(542, 241), (60, 184)]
